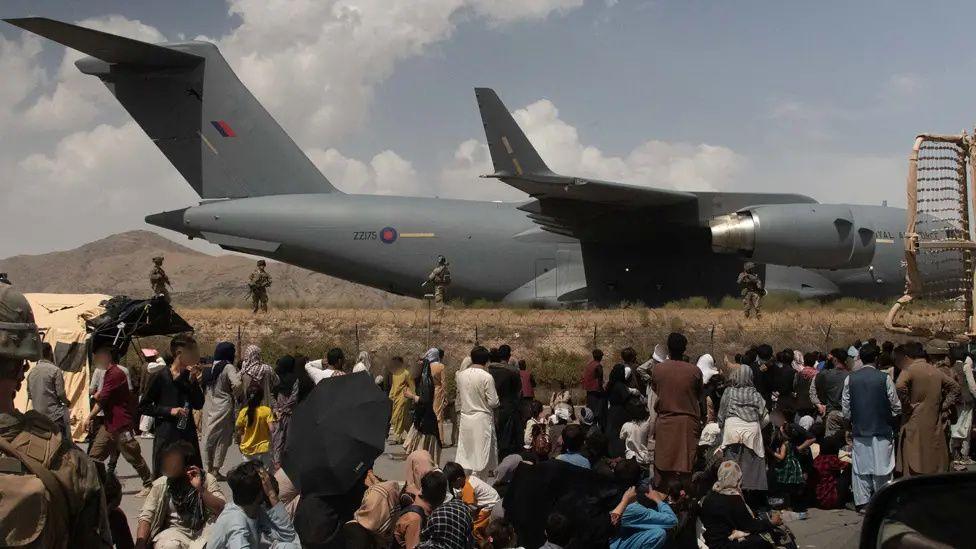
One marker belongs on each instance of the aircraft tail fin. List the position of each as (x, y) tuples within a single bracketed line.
[(512, 155), (194, 108)]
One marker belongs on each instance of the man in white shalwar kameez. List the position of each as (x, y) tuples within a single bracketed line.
[(870, 402), (476, 401)]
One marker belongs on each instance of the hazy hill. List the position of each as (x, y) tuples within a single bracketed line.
[(120, 265)]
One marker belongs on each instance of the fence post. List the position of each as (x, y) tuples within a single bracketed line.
[(594, 337), (476, 341), (826, 335), (357, 338)]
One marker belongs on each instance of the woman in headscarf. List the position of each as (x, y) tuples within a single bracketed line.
[(284, 397), (400, 382), (256, 372), (729, 522), (618, 394), (741, 415), (424, 432), (434, 356), (222, 385), (711, 386), (363, 363)]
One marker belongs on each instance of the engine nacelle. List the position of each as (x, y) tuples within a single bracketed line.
[(813, 236)]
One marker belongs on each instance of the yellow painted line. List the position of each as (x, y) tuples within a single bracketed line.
[(518, 167), (417, 235), (508, 147), (885, 240), (207, 142)]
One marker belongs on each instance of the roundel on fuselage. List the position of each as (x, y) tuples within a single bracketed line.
[(388, 235)]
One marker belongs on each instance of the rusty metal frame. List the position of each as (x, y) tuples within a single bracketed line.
[(913, 243)]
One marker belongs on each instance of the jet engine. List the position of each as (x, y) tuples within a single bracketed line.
[(813, 236)]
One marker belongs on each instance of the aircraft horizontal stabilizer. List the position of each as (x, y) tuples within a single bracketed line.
[(107, 47)]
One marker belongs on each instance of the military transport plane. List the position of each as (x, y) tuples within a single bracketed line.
[(575, 240)]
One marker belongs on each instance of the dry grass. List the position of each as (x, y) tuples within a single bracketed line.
[(556, 343)]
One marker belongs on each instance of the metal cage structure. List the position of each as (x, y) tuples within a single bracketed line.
[(939, 247)]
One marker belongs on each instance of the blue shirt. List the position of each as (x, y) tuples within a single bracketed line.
[(575, 459), (644, 528), (235, 530)]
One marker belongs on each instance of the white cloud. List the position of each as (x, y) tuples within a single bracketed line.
[(654, 163), (386, 174)]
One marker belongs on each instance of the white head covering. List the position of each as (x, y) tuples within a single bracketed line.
[(432, 355), (364, 359), (465, 364), (707, 366), (660, 353)]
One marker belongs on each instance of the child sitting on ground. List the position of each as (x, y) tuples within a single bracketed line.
[(478, 495), (829, 471)]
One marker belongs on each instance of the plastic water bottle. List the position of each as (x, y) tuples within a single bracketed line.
[(181, 424)]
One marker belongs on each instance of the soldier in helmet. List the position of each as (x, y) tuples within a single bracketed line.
[(51, 492), (158, 279), (4, 279), (259, 283), (751, 288), (440, 277)]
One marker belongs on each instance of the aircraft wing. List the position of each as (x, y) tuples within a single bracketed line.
[(596, 210)]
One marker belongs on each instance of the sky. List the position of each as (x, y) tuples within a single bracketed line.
[(818, 98)]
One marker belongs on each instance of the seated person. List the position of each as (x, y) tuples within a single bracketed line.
[(828, 478), (728, 521), (573, 440), (644, 517), (414, 518), (449, 526), (372, 525), (181, 504), (255, 512), (478, 495)]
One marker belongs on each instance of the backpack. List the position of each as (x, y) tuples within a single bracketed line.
[(35, 495)]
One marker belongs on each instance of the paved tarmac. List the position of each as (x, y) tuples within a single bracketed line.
[(823, 529)]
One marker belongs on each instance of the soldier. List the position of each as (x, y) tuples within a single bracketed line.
[(158, 279), (440, 277), (751, 287), (52, 493), (259, 283)]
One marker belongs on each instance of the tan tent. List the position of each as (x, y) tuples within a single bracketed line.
[(61, 317)]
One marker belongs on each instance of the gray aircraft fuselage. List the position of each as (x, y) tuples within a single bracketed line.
[(496, 252)]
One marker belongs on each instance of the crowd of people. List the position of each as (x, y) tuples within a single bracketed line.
[(663, 452)]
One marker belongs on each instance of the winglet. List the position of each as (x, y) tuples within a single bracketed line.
[(107, 47), (511, 152)]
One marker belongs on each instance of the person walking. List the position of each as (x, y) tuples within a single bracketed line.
[(45, 390), (424, 433), (400, 383), (678, 385), (508, 387), (476, 401), (927, 395), (870, 403), (116, 432), (223, 384)]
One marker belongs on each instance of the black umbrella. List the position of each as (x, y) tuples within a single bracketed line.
[(336, 434)]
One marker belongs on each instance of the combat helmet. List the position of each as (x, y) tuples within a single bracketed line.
[(158, 259), (261, 263), (19, 338), (748, 266), (441, 260)]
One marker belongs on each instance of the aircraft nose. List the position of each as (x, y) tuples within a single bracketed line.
[(173, 220)]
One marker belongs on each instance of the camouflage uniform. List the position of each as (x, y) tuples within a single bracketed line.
[(751, 287), (158, 279), (259, 283), (52, 496), (440, 277)]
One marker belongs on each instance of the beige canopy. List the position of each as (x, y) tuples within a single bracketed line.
[(61, 317)]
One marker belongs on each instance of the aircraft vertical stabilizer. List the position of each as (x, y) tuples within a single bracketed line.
[(511, 152), (194, 108)]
